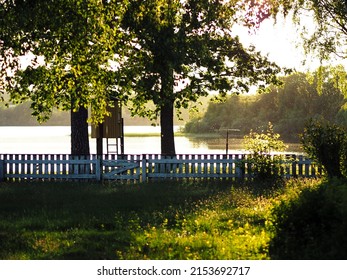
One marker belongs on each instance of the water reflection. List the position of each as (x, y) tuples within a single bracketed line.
[(218, 143)]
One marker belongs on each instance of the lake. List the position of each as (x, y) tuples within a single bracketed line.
[(56, 140)]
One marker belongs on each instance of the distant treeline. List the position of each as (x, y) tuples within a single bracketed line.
[(288, 108), (20, 115)]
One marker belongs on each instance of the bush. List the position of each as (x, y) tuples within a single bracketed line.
[(312, 225), (326, 144), (264, 164)]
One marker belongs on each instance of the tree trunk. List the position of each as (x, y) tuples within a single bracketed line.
[(79, 132), (167, 111), (167, 131)]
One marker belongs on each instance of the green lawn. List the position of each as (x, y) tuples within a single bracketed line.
[(162, 220)]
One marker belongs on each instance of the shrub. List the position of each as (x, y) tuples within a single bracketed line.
[(326, 144), (264, 164), (312, 225)]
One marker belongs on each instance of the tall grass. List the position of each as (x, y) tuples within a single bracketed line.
[(162, 220)]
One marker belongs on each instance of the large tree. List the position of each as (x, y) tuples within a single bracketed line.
[(184, 49), (329, 35), (71, 44), (181, 50)]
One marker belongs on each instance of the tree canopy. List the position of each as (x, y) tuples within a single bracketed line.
[(167, 52), (71, 44), (183, 50)]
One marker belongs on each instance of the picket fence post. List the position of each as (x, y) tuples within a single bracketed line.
[(98, 169), (144, 168), (2, 170)]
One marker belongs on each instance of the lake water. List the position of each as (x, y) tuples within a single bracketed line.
[(56, 140)]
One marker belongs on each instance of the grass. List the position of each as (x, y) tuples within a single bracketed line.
[(161, 220)]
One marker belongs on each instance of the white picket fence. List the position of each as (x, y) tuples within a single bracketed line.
[(140, 168)]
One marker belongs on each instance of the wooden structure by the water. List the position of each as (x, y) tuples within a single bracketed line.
[(141, 168), (111, 128)]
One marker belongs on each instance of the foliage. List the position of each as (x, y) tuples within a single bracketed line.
[(71, 44), (288, 107), (329, 36), (312, 224), (264, 164), (326, 143), (183, 50)]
